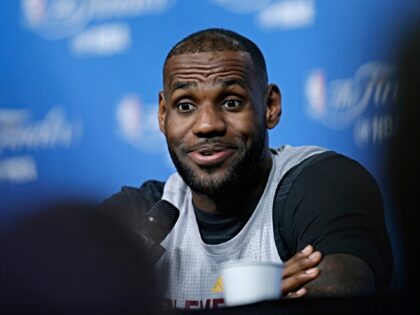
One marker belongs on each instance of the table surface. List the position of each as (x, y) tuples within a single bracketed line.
[(391, 303)]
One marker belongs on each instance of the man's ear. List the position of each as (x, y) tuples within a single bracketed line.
[(273, 103), (162, 112)]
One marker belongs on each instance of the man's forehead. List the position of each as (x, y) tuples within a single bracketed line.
[(211, 55), (207, 64)]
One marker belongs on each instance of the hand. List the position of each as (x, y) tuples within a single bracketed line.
[(299, 270)]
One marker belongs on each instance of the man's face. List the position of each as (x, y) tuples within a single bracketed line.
[(212, 113)]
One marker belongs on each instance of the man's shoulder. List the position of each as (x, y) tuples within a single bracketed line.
[(131, 203), (151, 189), (322, 169), (147, 194), (319, 158), (330, 163)]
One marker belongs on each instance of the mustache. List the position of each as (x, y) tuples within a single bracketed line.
[(208, 144)]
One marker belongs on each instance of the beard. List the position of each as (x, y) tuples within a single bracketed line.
[(218, 180)]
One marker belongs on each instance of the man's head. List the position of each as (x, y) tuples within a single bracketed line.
[(217, 40), (215, 109)]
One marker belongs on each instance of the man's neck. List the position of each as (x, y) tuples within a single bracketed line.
[(241, 199)]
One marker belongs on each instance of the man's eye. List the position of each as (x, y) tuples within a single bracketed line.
[(185, 107), (232, 104)]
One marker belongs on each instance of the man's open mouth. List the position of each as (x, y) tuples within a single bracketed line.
[(210, 155)]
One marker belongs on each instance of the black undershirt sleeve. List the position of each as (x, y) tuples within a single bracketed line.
[(336, 206)]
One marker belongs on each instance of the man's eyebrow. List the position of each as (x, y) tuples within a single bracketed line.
[(225, 83), (178, 85), (234, 81)]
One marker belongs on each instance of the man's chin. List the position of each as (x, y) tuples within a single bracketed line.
[(212, 190), (214, 184), (212, 180)]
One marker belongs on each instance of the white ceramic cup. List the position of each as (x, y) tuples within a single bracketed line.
[(247, 282)]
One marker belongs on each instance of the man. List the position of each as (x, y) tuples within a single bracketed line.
[(239, 199)]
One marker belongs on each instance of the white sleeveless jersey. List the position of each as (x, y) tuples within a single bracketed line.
[(194, 275)]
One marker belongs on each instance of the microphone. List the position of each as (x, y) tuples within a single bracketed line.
[(157, 224)]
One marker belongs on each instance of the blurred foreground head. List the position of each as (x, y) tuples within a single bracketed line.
[(70, 258), (404, 158)]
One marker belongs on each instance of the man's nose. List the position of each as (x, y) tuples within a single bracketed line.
[(209, 122)]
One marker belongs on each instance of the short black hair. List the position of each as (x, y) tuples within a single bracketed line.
[(218, 39)]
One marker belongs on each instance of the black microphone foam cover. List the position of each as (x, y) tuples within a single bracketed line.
[(161, 219)]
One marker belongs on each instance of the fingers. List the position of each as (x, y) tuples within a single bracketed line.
[(294, 283), (297, 294), (300, 270), (303, 260)]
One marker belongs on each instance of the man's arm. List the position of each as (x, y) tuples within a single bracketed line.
[(336, 206), (342, 275)]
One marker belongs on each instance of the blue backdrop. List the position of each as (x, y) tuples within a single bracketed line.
[(80, 79)]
